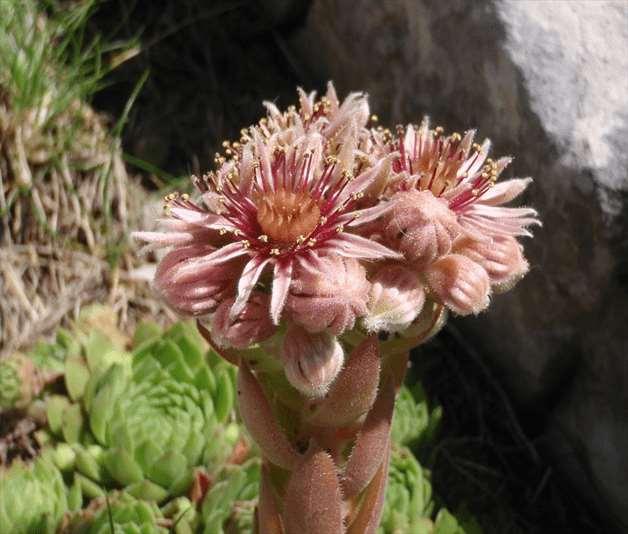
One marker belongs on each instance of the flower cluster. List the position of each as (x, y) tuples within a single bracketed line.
[(316, 223)]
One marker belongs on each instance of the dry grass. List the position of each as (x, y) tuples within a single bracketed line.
[(66, 201)]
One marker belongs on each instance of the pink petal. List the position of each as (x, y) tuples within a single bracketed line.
[(165, 239), (496, 212), (190, 269), (355, 246), (281, 285), (504, 192), (250, 275), (362, 181), (359, 217), (267, 181)]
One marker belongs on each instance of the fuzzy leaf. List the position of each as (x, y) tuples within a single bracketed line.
[(367, 519), (371, 444), (313, 502), (261, 423), (354, 390)]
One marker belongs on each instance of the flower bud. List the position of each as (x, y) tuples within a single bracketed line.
[(253, 323), (311, 361), (329, 295), (501, 257), (421, 226), (459, 283), (397, 297), (428, 323), (201, 293)]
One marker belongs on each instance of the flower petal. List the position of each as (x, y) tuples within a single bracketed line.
[(362, 181), (190, 269), (250, 275), (355, 246), (504, 192), (281, 285)]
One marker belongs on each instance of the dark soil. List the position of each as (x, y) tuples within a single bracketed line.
[(17, 437)]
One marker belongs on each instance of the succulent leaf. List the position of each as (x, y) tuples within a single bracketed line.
[(313, 502), (127, 514), (372, 443), (261, 423)]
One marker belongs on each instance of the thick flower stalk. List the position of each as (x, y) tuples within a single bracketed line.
[(313, 238)]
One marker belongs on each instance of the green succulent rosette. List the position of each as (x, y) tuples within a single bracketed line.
[(408, 504), (462, 523), (229, 506), (119, 513), (20, 381), (10, 384), (33, 497), (144, 419), (413, 421)]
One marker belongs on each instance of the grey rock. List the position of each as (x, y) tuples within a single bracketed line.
[(547, 81)]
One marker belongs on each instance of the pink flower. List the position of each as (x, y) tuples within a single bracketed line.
[(250, 326), (328, 294), (457, 171), (327, 116), (271, 209), (311, 361), (396, 298), (459, 283)]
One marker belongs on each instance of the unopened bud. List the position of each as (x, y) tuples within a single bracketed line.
[(329, 296), (397, 297), (501, 257), (459, 283), (253, 323), (311, 361), (421, 227)]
